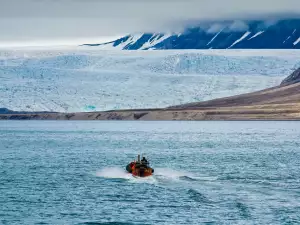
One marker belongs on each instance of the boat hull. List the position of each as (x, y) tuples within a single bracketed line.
[(140, 171)]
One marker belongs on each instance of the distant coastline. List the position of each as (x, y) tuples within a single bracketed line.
[(277, 103)]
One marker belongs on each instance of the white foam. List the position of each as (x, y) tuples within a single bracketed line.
[(176, 175), (118, 173), (172, 174), (113, 172)]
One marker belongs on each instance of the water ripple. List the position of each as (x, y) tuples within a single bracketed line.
[(74, 173)]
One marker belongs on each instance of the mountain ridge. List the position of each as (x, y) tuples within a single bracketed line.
[(248, 34)]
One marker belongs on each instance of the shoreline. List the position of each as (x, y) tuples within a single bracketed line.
[(269, 112), (276, 103)]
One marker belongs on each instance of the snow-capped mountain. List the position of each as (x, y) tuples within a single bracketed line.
[(283, 34)]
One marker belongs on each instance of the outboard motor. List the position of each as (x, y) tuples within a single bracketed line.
[(142, 171)]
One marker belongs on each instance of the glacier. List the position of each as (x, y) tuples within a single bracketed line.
[(88, 79)]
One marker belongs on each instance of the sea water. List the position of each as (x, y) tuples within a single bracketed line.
[(54, 172)]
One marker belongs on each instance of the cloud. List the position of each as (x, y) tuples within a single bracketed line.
[(215, 28), (238, 26), (36, 20), (235, 25)]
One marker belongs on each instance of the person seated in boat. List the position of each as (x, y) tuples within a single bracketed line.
[(144, 161)]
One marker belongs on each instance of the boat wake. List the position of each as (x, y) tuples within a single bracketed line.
[(119, 173), (170, 174), (114, 173), (161, 175)]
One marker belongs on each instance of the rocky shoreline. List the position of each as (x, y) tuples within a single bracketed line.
[(278, 103)]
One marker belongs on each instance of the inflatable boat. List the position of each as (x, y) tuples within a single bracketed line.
[(140, 168)]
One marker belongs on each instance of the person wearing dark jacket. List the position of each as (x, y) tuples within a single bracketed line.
[(144, 161)]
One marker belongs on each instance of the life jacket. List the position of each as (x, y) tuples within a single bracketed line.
[(132, 165)]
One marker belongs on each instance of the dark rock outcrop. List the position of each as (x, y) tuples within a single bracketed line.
[(292, 79), (139, 115), (8, 111), (5, 111)]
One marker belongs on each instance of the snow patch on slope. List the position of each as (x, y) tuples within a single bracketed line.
[(214, 37), (130, 41), (133, 39), (287, 39), (257, 34), (155, 41), (297, 41), (242, 38)]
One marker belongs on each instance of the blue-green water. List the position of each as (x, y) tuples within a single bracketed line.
[(205, 172)]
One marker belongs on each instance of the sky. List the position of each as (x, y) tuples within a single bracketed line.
[(69, 22)]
